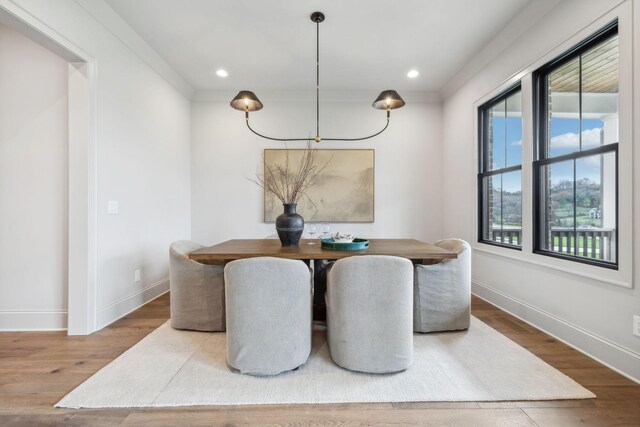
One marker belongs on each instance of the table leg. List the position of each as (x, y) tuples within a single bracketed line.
[(319, 288)]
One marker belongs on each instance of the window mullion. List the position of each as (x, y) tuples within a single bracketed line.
[(580, 101), (603, 149), (506, 100), (575, 209), (501, 208)]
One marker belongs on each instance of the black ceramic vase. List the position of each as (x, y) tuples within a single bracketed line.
[(289, 225)]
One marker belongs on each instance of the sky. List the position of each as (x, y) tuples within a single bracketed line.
[(565, 139)]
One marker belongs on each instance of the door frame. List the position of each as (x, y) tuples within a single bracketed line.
[(82, 164)]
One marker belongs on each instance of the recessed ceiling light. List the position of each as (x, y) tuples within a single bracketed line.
[(221, 73), (412, 74)]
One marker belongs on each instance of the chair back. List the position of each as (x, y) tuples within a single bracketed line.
[(463, 262), (442, 291), (269, 309), (197, 290), (370, 313)]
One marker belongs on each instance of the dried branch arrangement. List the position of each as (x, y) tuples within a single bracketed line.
[(290, 184)]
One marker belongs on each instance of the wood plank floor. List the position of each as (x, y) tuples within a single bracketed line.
[(39, 368)]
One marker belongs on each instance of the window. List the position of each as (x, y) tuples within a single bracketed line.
[(500, 170), (575, 172)]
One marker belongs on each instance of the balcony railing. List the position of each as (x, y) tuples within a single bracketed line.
[(509, 236), (595, 243)]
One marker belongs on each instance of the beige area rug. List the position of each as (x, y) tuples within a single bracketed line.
[(179, 368)]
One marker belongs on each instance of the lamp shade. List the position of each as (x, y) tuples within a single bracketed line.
[(246, 101), (388, 100)]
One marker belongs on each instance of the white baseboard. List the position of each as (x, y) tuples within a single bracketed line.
[(622, 360), (32, 320), (126, 305)]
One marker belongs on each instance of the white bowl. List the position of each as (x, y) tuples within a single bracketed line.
[(343, 238)]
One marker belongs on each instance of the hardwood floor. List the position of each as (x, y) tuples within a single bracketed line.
[(39, 368)]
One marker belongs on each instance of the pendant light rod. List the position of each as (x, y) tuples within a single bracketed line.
[(247, 101), (317, 74)]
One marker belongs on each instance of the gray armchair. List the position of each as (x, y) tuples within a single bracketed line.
[(268, 314), (442, 292), (369, 322), (197, 290)]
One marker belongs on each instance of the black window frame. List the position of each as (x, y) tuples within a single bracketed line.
[(483, 170), (540, 129)]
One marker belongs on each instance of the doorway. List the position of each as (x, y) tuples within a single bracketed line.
[(77, 200)]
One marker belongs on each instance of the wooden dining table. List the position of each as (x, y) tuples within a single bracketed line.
[(416, 251)]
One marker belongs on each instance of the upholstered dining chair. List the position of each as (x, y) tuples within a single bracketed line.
[(319, 282), (369, 320), (442, 291), (197, 290), (268, 314)]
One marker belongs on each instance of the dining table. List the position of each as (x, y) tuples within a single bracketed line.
[(311, 250), (415, 250)]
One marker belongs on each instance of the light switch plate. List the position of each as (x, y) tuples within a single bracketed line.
[(636, 326), (113, 207)]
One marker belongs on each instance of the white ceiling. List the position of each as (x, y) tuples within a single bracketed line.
[(364, 44)]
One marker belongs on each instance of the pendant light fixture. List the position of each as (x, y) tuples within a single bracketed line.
[(247, 101)]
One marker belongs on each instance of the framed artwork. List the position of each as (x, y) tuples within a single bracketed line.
[(343, 192)]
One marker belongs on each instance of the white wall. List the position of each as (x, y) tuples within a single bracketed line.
[(33, 185), (143, 151), (225, 204), (592, 315)]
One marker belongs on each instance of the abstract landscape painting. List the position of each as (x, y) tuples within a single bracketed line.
[(343, 192)]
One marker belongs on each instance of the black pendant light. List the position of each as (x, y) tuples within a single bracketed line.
[(248, 101)]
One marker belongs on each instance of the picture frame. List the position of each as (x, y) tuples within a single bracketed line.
[(343, 192)]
